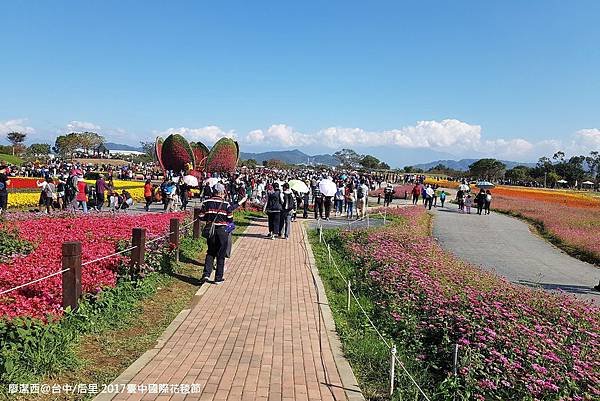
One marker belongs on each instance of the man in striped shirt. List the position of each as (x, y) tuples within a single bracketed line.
[(217, 212)]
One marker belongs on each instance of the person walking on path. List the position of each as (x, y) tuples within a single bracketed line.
[(100, 190), (318, 200), (216, 212), (82, 195), (148, 194), (273, 208), (416, 192), (480, 201), (389, 195), (488, 201), (361, 199), (288, 208), (49, 195), (460, 198), (429, 193), (442, 197), (468, 203), (350, 195), (339, 200)]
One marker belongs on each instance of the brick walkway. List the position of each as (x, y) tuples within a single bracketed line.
[(256, 337)]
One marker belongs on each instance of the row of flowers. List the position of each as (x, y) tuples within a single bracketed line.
[(562, 198), (31, 183), (99, 236), (515, 342), (21, 200)]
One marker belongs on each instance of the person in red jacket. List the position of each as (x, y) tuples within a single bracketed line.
[(81, 196)]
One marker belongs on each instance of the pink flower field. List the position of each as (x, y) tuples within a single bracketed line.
[(515, 342)]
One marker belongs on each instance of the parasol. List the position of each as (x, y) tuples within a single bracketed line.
[(327, 187), (298, 186), (190, 180)]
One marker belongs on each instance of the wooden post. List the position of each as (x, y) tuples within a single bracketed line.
[(71, 279), (174, 237), (196, 232), (138, 240)]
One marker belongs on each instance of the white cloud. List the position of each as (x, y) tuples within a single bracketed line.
[(207, 135), (16, 125), (586, 140), (79, 126), (279, 135)]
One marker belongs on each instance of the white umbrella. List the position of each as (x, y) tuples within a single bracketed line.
[(298, 186), (587, 183), (561, 181), (327, 187), (484, 185), (190, 180), (464, 187), (212, 181)]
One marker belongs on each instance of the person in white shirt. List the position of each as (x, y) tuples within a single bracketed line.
[(362, 197)]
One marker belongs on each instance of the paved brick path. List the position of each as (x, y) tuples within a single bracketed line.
[(254, 337)]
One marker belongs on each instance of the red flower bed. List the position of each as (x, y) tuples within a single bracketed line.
[(398, 191), (98, 235), (23, 183)]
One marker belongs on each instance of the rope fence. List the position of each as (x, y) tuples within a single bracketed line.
[(351, 296), (73, 258)]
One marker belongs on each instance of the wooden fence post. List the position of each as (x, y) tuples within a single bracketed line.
[(196, 233), (71, 279), (138, 240), (174, 237)]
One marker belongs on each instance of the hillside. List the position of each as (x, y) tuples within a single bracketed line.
[(463, 164), (291, 156)]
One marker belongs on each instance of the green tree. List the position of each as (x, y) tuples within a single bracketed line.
[(65, 145), (250, 163), (348, 158), (489, 169), (16, 139), (370, 162), (593, 162), (518, 173), (383, 166), (38, 150), (89, 141)]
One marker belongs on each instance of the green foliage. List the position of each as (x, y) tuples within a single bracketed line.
[(9, 158), (30, 348), (489, 169), (11, 244), (38, 150), (370, 162)]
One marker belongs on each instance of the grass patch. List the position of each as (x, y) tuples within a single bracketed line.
[(11, 159)]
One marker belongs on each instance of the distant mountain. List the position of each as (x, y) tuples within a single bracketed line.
[(463, 164), (118, 146), (291, 157)]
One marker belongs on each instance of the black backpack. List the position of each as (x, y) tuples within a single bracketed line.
[(360, 192), (274, 201)]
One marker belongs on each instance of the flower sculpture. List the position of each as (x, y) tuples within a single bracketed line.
[(176, 153)]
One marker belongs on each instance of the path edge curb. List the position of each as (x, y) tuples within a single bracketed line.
[(351, 388)]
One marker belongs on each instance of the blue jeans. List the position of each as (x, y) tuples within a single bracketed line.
[(84, 204), (350, 205), (339, 204)]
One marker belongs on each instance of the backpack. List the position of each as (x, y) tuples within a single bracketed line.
[(361, 192), (274, 201), (71, 185), (288, 201)]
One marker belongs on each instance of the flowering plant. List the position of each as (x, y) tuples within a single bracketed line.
[(514, 342)]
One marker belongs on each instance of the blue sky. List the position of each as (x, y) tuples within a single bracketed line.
[(407, 81)]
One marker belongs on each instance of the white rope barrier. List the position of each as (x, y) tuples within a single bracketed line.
[(34, 281), (89, 262), (390, 346)]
